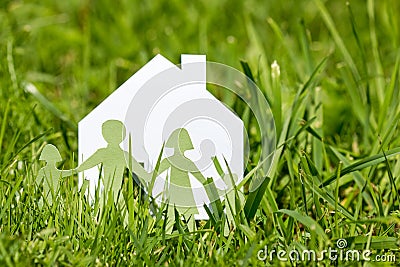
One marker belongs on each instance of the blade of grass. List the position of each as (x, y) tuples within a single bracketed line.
[(379, 75), (362, 164), (307, 221), (4, 124), (305, 45), (24, 147), (395, 195), (30, 88), (303, 190), (389, 95), (254, 199), (337, 198), (338, 40)]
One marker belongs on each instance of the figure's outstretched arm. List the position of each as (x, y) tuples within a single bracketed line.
[(199, 176), (229, 179), (66, 173), (142, 174), (92, 161), (138, 169), (164, 165)]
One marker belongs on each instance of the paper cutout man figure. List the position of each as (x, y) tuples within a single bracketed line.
[(180, 166), (50, 174), (114, 159)]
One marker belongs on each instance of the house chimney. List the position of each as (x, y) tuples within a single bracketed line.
[(194, 67)]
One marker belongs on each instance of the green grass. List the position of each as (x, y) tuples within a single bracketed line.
[(336, 169)]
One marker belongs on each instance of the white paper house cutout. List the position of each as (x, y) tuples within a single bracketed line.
[(151, 111)]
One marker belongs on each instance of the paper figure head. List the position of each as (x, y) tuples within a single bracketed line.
[(180, 140), (50, 154), (114, 131)]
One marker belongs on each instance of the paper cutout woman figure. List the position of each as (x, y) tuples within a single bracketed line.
[(114, 159), (179, 190), (50, 174)]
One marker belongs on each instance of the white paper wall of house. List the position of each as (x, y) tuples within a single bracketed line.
[(156, 100)]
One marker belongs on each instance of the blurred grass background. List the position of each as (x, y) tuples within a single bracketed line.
[(75, 53)]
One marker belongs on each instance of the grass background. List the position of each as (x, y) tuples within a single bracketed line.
[(335, 102)]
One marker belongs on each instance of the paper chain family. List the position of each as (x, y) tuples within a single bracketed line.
[(115, 160)]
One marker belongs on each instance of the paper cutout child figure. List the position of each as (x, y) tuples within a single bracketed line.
[(180, 167), (114, 159), (50, 174)]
